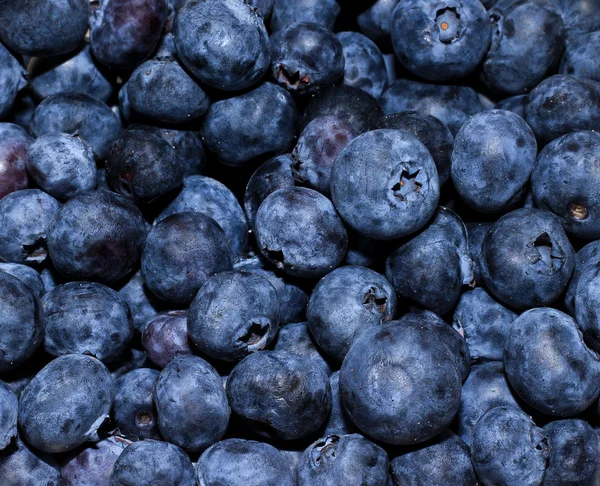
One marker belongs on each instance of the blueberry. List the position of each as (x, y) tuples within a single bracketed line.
[(526, 259), (299, 231), (286, 13), (238, 462), (446, 460), (70, 112), (142, 303), (574, 452), (432, 268), (508, 448), (581, 57), (22, 466), (66, 402), (494, 154), (345, 303), (259, 123), (275, 173), (364, 66), (165, 337), (9, 404), (516, 104), (353, 105), (585, 303), (402, 190), (62, 165), (344, 459), (580, 17), (223, 43), (587, 257), (133, 410), (87, 318), (192, 406), (153, 462), (25, 217), (14, 147), (338, 422), (527, 43), (93, 465), (295, 338), (452, 105), (548, 363), (571, 159), (12, 80), (561, 104), (23, 109), (485, 388), (440, 40), (124, 32), (318, 146), (27, 275), (234, 314), (162, 91), (181, 253), (77, 72), (376, 370), (376, 21), (484, 323), (264, 7), (213, 199), (39, 28), (430, 131), (477, 232), (306, 56), (97, 236), (280, 394)]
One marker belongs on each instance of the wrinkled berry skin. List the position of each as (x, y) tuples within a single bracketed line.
[(96, 235), (295, 338), (165, 337), (150, 462), (181, 253), (526, 259), (346, 302), (317, 148), (25, 217), (573, 159), (353, 105), (22, 466), (452, 105), (581, 57), (224, 43), (485, 388), (9, 404), (279, 394), (87, 318), (299, 231), (27, 275), (133, 411), (62, 165), (125, 32), (494, 154), (484, 323), (192, 406), (343, 459), (444, 461), (305, 56), (430, 131), (432, 268), (440, 40), (402, 190), (374, 372), (70, 113), (14, 147), (533, 337), (12, 80), (213, 199), (66, 402), (152, 93), (21, 327), (143, 166), (142, 303), (323, 12), (238, 462), (561, 104), (43, 28), (93, 465), (259, 123), (508, 448), (234, 314)]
